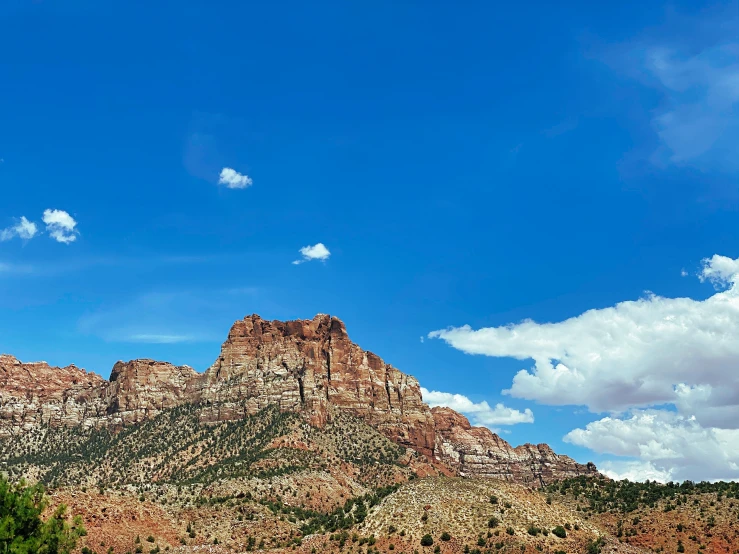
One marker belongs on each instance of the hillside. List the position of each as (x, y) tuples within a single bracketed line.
[(310, 367), (295, 439)]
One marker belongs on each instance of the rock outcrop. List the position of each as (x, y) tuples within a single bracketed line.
[(312, 365), (305, 365), (35, 394), (478, 452)]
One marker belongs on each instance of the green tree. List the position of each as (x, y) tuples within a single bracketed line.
[(22, 529), (427, 540)]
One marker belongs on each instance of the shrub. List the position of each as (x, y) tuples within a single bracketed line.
[(149, 539), (493, 522), (510, 531), (493, 499), (427, 540), (559, 531), (445, 536), (23, 530), (533, 530), (595, 546)]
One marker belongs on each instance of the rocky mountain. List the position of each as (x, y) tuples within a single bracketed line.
[(310, 367)]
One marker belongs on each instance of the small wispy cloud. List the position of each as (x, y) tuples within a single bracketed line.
[(233, 179), (61, 226), (683, 273), (7, 268), (316, 252), (692, 64), (23, 229), (702, 92), (157, 339)]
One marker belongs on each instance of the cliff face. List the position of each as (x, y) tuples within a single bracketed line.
[(306, 365), (311, 365), (478, 452), (35, 394)]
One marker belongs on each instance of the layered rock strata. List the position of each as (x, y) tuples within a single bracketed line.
[(478, 452), (305, 365)]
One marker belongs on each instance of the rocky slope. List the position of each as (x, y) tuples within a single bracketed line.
[(308, 366), (478, 452)]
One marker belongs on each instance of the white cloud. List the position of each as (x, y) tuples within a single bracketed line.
[(652, 352), (666, 443), (634, 470), (719, 270), (480, 413), (315, 252), (60, 225), (233, 179), (24, 230), (634, 354), (683, 273)]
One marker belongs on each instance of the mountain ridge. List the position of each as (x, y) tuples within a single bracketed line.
[(306, 366)]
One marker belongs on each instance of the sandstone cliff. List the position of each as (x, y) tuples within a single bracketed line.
[(478, 452), (309, 366)]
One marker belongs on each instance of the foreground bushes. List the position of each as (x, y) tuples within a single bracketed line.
[(23, 531)]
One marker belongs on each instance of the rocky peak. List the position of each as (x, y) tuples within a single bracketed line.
[(311, 365), (306, 365)]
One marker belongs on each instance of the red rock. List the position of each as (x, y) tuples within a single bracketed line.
[(478, 452), (309, 366)]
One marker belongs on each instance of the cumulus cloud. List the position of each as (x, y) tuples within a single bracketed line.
[(480, 413), (233, 179), (670, 446), (634, 470), (638, 353), (667, 369), (60, 225), (24, 230), (315, 252)]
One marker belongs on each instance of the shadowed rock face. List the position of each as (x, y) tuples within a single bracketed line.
[(305, 365)]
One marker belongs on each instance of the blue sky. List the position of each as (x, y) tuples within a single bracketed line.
[(478, 165)]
